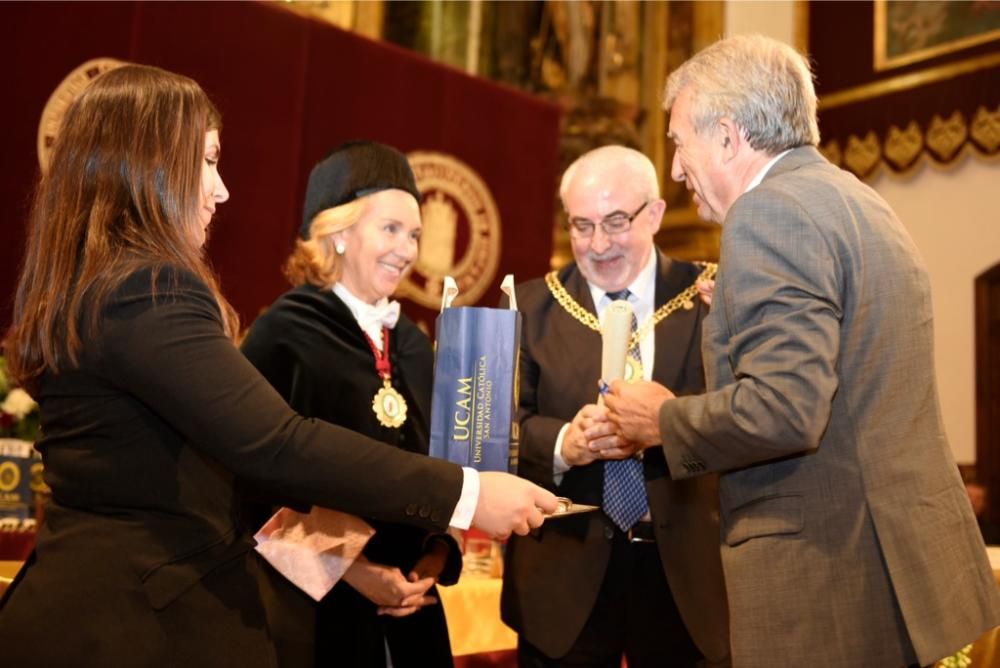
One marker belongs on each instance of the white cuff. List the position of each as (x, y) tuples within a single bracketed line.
[(559, 465), (467, 502)]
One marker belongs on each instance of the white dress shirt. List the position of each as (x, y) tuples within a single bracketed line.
[(642, 297), (764, 170)]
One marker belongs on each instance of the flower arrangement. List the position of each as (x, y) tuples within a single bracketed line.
[(18, 411)]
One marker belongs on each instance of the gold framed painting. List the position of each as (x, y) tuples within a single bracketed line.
[(908, 31)]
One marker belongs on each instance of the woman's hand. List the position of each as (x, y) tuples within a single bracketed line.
[(386, 587), (431, 562)]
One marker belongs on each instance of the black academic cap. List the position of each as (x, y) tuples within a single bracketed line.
[(353, 170)]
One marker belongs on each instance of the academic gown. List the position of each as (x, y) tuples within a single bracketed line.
[(313, 351)]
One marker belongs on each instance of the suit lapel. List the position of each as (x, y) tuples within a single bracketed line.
[(588, 361), (672, 339)]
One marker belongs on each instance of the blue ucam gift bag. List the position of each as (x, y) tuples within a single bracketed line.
[(473, 421)]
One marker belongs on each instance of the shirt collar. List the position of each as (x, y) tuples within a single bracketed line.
[(764, 170), (370, 317), (642, 288)]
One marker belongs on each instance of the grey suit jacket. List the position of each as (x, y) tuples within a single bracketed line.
[(553, 576), (847, 537)]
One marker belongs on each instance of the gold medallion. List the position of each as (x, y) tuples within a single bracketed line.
[(683, 300), (389, 406), (62, 97), (633, 369)]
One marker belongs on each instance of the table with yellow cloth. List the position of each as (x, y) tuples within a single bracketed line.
[(985, 652), (8, 569), (472, 607)]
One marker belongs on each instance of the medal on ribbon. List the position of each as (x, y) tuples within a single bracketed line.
[(388, 404)]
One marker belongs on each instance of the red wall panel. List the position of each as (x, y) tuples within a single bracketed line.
[(289, 90)]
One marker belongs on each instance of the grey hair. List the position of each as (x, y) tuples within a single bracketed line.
[(639, 168), (764, 85)]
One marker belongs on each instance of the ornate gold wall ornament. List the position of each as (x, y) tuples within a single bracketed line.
[(863, 155), (899, 107), (945, 137), (453, 194), (902, 147), (985, 129), (831, 151), (65, 93), (904, 150)]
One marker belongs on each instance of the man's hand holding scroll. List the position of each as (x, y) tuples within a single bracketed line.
[(635, 409)]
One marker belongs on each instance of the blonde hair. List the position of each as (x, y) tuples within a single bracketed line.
[(764, 85), (314, 260)]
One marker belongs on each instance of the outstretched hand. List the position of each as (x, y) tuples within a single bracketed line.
[(508, 504), (432, 562)]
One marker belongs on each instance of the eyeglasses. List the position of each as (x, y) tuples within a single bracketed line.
[(616, 223)]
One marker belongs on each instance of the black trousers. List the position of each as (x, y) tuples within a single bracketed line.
[(634, 616)]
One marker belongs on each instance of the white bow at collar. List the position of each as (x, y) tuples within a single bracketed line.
[(371, 317), (385, 313)]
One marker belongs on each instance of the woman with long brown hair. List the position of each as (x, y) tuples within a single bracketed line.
[(149, 411)]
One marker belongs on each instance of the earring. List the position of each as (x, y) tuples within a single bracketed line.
[(340, 248)]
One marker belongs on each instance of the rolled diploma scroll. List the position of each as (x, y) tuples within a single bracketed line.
[(616, 330)]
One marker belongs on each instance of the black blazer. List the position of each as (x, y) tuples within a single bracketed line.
[(552, 576), (142, 560)]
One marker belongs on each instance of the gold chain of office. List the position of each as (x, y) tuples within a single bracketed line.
[(683, 300)]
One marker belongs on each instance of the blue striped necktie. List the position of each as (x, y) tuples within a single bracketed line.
[(624, 489)]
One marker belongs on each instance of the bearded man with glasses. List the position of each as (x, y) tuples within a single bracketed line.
[(642, 577)]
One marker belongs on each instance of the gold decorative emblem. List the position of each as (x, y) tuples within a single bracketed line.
[(831, 151), (902, 147), (461, 234), (389, 406), (10, 476), (862, 155), (683, 300), (37, 483), (633, 369), (945, 137), (63, 96), (985, 129)]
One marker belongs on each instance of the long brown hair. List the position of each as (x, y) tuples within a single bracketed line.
[(122, 192)]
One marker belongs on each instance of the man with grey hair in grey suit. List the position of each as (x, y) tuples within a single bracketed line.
[(846, 536)]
